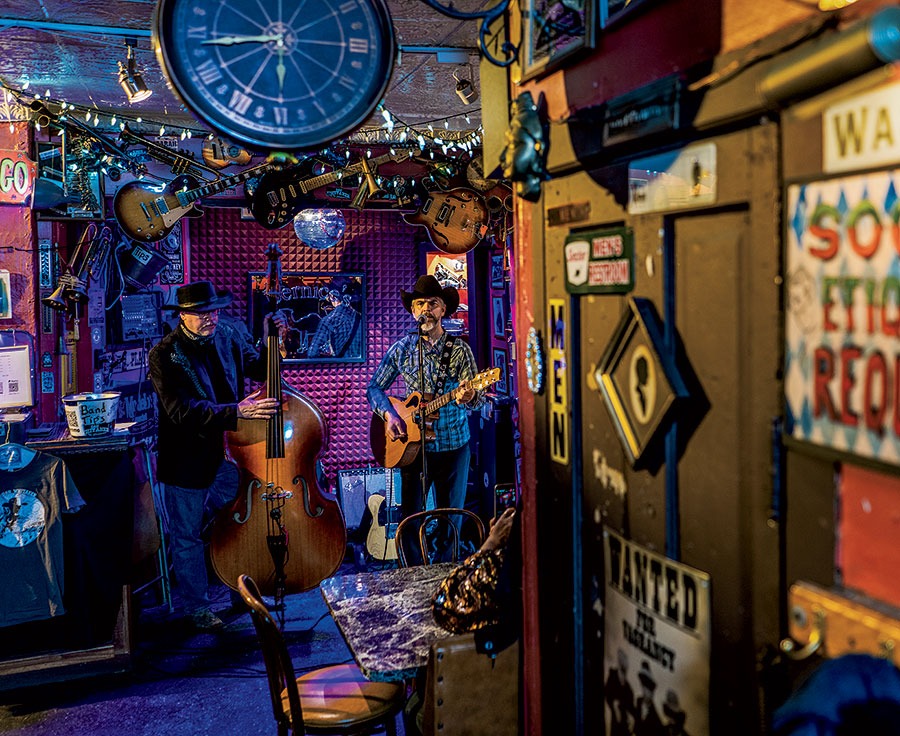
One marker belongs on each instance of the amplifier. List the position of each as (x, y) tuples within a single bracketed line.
[(356, 485)]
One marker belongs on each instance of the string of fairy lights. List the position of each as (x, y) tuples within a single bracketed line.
[(437, 133)]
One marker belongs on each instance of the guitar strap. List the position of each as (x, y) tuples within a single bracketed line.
[(445, 364)]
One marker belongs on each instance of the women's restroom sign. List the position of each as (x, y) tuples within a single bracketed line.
[(600, 262), (638, 380)]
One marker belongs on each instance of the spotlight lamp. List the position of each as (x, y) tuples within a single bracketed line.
[(131, 80)]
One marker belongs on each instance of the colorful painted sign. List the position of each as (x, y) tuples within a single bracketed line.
[(842, 355), (17, 176), (657, 648), (600, 262)]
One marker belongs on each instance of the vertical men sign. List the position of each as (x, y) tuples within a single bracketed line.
[(558, 385)]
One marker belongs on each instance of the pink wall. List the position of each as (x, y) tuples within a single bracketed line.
[(223, 248)]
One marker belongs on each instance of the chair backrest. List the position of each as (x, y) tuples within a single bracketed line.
[(438, 535), (279, 668), (466, 691)]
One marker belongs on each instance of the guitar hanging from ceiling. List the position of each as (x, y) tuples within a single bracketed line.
[(148, 213), (280, 195)]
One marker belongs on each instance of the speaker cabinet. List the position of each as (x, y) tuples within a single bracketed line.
[(356, 485)]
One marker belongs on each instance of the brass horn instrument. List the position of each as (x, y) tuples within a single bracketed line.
[(368, 188), (71, 286), (45, 116)]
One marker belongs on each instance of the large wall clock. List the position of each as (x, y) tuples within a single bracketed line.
[(277, 74)]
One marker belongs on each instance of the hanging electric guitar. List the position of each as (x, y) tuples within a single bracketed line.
[(149, 213), (281, 195), (380, 541), (456, 219), (392, 453)]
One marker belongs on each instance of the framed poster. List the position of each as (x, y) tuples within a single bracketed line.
[(501, 387), (499, 317), (555, 30), (325, 314)]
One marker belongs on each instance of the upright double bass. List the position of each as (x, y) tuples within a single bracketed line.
[(281, 529)]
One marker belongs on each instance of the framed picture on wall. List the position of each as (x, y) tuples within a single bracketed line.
[(499, 317), (554, 31), (325, 314), (497, 271), (502, 386)]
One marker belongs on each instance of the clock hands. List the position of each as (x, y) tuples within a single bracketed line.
[(231, 40)]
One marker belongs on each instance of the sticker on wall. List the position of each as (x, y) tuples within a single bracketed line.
[(638, 381), (5, 295), (675, 180), (534, 361), (600, 261), (560, 434)]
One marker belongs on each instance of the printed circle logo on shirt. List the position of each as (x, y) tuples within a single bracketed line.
[(23, 517)]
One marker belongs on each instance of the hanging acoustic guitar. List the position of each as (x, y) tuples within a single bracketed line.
[(148, 213), (456, 220)]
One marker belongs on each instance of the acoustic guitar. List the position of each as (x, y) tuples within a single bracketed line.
[(278, 197), (381, 540), (148, 213), (456, 220), (391, 453)]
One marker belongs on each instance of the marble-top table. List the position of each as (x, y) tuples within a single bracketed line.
[(385, 617)]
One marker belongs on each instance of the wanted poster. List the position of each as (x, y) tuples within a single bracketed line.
[(656, 660)]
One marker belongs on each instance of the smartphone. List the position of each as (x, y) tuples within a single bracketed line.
[(504, 497)]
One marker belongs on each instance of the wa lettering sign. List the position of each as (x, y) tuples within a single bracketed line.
[(656, 661)]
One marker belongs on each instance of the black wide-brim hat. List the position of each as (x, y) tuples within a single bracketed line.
[(427, 287), (200, 296)]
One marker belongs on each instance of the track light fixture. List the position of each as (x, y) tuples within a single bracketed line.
[(131, 79)]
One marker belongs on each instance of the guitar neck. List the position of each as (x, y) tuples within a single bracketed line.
[(309, 185), (444, 399), (220, 186)]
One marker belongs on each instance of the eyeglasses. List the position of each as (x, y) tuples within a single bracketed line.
[(212, 314)]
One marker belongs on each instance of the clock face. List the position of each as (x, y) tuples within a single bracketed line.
[(277, 74)]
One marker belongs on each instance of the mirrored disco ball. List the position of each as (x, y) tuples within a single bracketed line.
[(320, 229)]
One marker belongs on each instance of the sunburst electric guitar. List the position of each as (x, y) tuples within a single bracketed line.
[(381, 540), (149, 213), (392, 453)]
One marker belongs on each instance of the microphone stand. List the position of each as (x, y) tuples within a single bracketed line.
[(423, 474)]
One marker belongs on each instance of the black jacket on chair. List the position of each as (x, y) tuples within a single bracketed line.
[(193, 419)]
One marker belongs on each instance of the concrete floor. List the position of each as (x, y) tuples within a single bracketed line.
[(181, 682)]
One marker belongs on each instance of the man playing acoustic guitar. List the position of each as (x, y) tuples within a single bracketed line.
[(448, 362)]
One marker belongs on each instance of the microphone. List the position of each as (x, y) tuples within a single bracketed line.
[(421, 319)]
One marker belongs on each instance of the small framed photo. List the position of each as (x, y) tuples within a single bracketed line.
[(497, 271), (502, 386), (555, 30), (499, 317)]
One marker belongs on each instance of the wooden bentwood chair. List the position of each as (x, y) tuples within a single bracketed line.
[(438, 535), (329, 700)]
